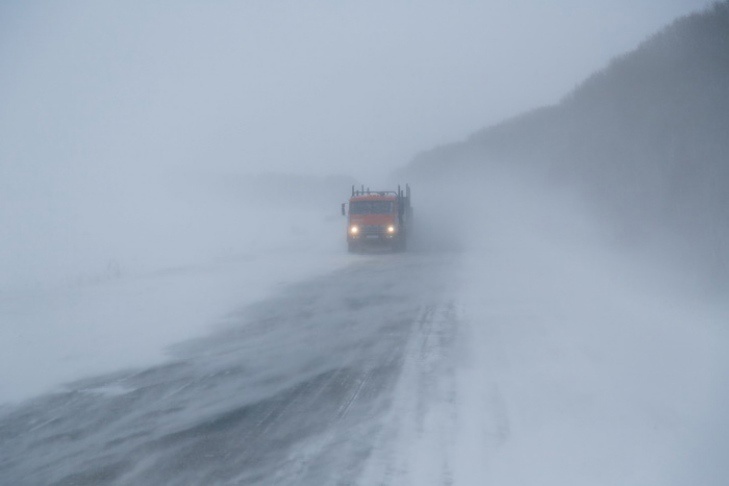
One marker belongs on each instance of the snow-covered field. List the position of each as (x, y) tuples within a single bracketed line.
[(127, 312), (582, 368)]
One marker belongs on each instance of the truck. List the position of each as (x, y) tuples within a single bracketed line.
[(378, 219)]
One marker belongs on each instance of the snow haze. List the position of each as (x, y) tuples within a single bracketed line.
[(173, 265), (317, 88), (106, 108)]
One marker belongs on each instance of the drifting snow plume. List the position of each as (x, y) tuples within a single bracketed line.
[(644, 142)]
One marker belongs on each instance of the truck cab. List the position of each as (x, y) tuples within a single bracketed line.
[(378, 219)]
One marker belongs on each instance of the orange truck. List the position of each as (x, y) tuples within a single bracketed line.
[(378, 219)]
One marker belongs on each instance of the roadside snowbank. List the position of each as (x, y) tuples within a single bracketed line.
[(581, 367)]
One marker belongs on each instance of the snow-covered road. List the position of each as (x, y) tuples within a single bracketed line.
[(533, 355), (294, 390)]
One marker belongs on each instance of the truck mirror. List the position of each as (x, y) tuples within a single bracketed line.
[(344, 211)]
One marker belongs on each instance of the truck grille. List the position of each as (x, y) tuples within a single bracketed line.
[(373, 230)]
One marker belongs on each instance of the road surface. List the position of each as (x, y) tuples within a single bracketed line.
[(322, 384)]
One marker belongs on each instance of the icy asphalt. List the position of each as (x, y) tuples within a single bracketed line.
[(306, 387)]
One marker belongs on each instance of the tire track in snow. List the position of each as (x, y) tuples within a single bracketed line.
[(446, 420), (412, 448), (338, 453)]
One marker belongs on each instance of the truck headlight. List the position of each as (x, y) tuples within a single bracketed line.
[(353, 230), (391, 229)]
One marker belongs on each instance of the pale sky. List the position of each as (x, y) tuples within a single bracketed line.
[(316, 87), (115, 115)]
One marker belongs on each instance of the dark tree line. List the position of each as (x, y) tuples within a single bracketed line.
[(646, 140)]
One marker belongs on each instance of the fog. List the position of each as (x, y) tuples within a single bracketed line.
[(107, 108), (171, 176), (607, 363)]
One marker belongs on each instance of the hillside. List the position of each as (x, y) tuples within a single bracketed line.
[(645, 141)]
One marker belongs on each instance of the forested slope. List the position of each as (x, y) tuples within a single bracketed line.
[(645, 140)]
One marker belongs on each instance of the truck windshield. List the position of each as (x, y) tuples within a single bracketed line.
[(370, 207)]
